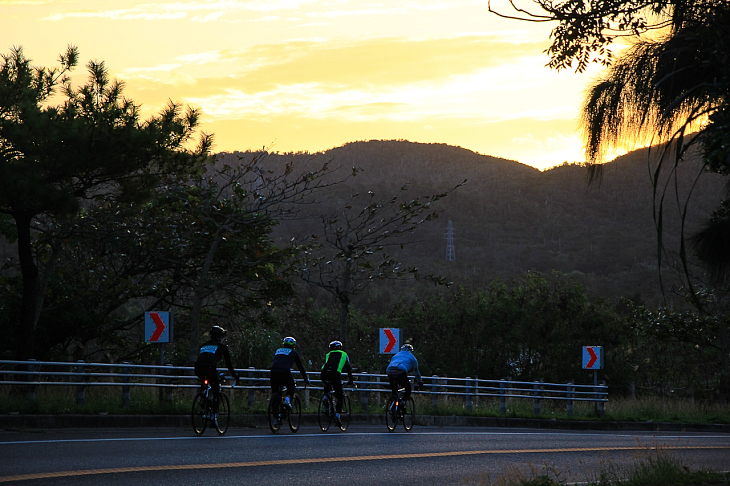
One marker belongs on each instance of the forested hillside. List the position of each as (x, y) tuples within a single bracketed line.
[(510, 218)]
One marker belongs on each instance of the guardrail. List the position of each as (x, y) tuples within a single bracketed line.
[(32, 374)]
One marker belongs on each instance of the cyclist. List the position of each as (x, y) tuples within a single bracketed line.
[(335, 362), (400, 365), (284, 358), (206, 366)]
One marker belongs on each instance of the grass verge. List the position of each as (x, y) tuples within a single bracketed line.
[(656, 467), (64, 400)]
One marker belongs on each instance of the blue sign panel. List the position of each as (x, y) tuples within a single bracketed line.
[(592, 357), (158, 327), (389, 340)]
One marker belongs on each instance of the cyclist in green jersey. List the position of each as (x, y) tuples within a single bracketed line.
[(335, 362)]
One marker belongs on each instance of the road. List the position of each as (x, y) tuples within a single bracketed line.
[(364, 454)]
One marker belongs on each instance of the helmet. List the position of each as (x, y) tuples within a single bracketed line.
[(217, 332), (407, 347), (289, 342), (336, 345)]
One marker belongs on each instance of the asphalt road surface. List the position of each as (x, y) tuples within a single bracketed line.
[(364, 454)]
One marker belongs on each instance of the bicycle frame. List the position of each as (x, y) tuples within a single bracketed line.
[(207, 409), (328, 408), (278, 412), (398, 408)]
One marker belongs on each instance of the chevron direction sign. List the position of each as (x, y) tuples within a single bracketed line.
[(592, 357), (389, 340), (158, 327)]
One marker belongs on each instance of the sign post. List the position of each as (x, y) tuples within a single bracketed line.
[(593, 360), (389, 340), (158, 329)]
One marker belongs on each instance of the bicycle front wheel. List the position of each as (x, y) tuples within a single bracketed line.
[(324, 413), (199, 413), (346, 413), (295, 414), (274, 412), (391, 415), (409, 414), (224, 414)]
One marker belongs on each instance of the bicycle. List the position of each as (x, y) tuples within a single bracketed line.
[(400, 409), (278, 412), (206, 410), (328, 407)]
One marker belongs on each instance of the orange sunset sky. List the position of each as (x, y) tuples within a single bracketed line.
[(311, 75)]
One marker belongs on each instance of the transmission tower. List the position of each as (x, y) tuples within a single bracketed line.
[(450, 252)]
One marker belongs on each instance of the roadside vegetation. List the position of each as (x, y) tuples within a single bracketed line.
[(63, 400), (651, 467), (273, 245)]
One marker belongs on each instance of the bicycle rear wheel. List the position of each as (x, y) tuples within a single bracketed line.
[(224, 414), (324, 413), (409, 414), (295, 414), (391, 415), (346, 413), (199, 415), (274, 412)]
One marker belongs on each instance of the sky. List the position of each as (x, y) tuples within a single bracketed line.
[(310, 75)]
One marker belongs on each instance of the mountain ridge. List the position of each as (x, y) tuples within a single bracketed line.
[(510, 218)]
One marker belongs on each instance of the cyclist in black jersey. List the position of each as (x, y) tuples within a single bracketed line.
[(206, 366), (335, 363), (284, 359)]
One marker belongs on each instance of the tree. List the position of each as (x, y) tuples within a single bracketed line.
[(226, 218), (92, 146), (670, 88), (352, 249)]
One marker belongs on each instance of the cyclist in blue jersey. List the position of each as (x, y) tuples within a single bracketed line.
[(400, 365), (335, 362), (284, 358), (206, 366)]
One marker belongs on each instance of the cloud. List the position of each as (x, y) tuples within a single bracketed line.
[(373, 79), (205, 11)]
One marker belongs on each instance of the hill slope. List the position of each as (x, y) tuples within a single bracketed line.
[(511, 218)]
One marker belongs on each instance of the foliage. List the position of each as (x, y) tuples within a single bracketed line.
[(533, 329), (676, 353), (672, 88), (93, 146), (352, 248), (586, 29)]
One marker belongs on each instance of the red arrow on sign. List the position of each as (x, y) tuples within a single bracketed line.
[(159, 326), (594, 357), (391, 340)]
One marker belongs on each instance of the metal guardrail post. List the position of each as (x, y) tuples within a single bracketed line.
[(377, 395), (434, 392), (251, 383), (80, 390), (502, 397), (30, 390), (601, 404), (364, 394), (570, 398), (158, 371), (467, 391), (476, 391), (125, 387), (168, 395), (536, 387)]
